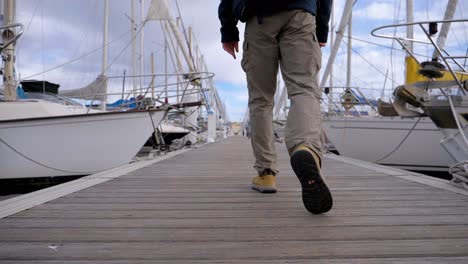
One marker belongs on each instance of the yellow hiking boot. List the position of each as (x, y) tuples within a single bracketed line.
[(316, 196), (265, 182)]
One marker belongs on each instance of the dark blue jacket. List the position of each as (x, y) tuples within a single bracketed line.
[(230, 10)]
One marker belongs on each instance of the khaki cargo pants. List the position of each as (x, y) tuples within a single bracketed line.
[(287, 40)]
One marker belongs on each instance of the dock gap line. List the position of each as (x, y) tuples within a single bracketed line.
[(407, 175), (27, 201)]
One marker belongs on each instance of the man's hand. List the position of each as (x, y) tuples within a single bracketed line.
[(231, 48), (322, 44)]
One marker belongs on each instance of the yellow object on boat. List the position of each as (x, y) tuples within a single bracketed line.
[(413, 76)]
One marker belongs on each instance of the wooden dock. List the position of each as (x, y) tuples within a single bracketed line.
[(197, 207)]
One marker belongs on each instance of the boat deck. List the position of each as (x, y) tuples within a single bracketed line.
[(197, 207)]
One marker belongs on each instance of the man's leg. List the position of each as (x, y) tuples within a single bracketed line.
[(300, 62), (260, 62)]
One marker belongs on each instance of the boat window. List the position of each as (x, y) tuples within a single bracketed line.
[(52, 98)]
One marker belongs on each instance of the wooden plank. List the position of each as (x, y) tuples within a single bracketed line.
[(244, 222), (220, 184), (245, 251), (354, 196), (165, 174), (242, 199), (96, 192), (266, 213), (419, 260), (194, 205), (245, 187), (287, 233)]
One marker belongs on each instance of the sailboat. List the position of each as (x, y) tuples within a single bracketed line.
[(187, 78), (406, 142), (44, 138), (447, 110), (60, 144)]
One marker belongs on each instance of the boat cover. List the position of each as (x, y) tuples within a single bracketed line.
[(35, 86)]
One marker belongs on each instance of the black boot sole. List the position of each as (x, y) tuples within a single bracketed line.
[(316, 196), (263, 190)]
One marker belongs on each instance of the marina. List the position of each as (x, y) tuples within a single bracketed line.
[(164, 213), (150, 165)]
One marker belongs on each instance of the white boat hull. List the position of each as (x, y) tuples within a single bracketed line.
[(377, 139), (72, 145)]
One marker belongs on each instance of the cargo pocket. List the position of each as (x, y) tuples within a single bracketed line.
[(317, 52), (245, 55), (315, 38)]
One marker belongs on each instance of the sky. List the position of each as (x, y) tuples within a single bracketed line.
[(69, 32)]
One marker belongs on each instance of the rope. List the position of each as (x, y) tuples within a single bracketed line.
[(401, 143), (370, 64), (39, 163), (459, 172), (392, 48), (124, 49), (33, 15)]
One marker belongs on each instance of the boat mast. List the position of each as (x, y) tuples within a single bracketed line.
[(152, 74), (339, 37), (350, 50), (180, 43), (104, 51), (166, 100), (133, 48), (9, 82), (159, 10), (332, 41), (410, 68), (177, 62), (142, 71), (170, 54), (449, 13), (177, 51), (409, 28)]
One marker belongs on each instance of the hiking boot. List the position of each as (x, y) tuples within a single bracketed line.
[(265, 182), (316, 196)]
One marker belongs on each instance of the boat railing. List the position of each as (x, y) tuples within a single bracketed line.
[(348, 98), (162, 89), (428, 33), (9, 34)]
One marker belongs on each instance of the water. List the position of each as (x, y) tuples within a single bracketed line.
[(437, 174), (14, 187), (6, 197)]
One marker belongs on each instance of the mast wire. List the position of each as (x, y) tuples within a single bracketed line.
[(80, 57)]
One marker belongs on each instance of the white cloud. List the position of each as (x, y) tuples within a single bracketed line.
[(378, 10)]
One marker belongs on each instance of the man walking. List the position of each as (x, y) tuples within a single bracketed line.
[(286, 34)]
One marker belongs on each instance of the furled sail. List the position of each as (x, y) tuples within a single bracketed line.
[(93, 91), (158, 10)]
